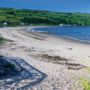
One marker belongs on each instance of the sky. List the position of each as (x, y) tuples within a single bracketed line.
[(82, 6)]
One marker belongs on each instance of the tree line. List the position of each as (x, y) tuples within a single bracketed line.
[(15, 17)]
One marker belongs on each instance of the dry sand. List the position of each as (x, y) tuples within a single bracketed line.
[(63, 61)]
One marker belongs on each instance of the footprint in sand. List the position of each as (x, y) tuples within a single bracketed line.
[(70, 48)]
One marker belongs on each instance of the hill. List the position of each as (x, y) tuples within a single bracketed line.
[(14, 17)]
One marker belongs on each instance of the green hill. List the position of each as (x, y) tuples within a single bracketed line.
[(14, 17)]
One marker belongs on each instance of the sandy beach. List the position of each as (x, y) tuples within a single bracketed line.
[(63, 61)]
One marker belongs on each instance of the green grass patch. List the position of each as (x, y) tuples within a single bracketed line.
[(85, 83), (2, 40)]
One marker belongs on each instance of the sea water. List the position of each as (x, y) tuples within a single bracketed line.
[(72, 32)]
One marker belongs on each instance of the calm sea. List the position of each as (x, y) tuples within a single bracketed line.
[(78, 33)]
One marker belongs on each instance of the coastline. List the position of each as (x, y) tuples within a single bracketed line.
[(62, 60), (70, 39), (58, 36)]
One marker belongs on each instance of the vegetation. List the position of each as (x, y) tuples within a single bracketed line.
[(86, 84), (2, 40), (14, 17)]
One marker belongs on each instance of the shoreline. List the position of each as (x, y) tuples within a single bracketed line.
[(31, 29), (70, 39), (57, 36)]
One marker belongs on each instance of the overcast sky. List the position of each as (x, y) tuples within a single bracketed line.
[(51, 5)]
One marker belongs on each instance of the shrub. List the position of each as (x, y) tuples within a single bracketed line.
[(1, 40), (86, 84)]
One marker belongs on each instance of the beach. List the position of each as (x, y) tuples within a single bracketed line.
[(64, 61)]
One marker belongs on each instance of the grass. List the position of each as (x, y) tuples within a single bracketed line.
[(85, 83), (2, 40)]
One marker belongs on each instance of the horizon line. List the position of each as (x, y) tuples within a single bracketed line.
[(45, 10)]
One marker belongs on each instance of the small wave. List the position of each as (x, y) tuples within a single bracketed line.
[(76, 39), (42, 31)]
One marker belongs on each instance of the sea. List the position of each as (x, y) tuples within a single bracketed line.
[(71, 32)]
